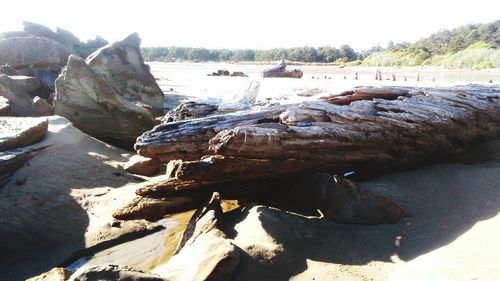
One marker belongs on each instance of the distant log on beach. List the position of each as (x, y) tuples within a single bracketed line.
[(280, 71), (223, 72), (365, 127)]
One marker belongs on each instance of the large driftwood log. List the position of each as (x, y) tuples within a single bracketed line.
[(366, 127)]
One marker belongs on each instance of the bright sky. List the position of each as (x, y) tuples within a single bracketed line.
[(255, 24)]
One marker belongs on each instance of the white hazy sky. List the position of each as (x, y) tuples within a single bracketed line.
[(256, 24)]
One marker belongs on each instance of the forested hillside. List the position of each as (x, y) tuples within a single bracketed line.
[(468, 46)]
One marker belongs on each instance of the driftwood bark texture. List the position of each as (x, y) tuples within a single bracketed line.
[(365, 127)]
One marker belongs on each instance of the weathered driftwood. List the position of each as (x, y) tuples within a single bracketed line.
[(337, 198), (189, 110), (388, 132), (200, 108), (188, 139), (377, 127)]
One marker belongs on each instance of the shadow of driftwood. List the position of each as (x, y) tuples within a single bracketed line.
[(444, 201)]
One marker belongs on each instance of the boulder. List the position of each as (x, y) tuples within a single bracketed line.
[(280, 71), (112, 272), (31, 84), (238, 74), (142, 165), (7, 69), (340, 200), (111, 95), (4, 107), (55, 274), (46, 75), (21, 131), (25, 51), (41, 107), (20, 100)]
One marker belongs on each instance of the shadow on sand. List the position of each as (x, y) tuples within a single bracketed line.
[(444, 201), (44, 220)]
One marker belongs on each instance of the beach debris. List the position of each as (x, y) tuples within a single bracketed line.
[(223, 72), (280, 71)]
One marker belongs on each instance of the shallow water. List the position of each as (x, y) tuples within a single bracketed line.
[(146, 253)]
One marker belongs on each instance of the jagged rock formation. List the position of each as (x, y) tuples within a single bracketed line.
[(111, 95), (40, 53)]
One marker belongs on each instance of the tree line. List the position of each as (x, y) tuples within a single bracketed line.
[(325, 54), (439, 43)]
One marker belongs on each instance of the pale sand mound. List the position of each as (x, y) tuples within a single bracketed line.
[(65, 203), (452, 233)]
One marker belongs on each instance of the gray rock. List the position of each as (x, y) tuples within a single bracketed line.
[(112, 272), (41, 107), (111, 95), (91, 46), (31, 84), (20, 101), (25, 51), (66, 37), (7, 69), (11, 34), (21, 131), (39, 30)]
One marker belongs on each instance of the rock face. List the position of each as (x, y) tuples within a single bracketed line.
[(25, 51), (142, 165), (112, 273), (280, 71), (31, 84), (19, 99), (111, 95)]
